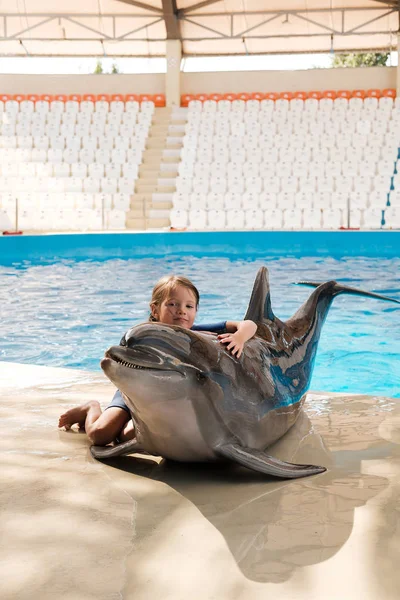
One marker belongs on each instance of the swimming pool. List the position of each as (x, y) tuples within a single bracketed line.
[(65, 299)]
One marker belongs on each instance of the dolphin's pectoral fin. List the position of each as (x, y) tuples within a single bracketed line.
[(104, 452), (259, 461)]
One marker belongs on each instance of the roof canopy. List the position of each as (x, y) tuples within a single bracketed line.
[(208, 27)]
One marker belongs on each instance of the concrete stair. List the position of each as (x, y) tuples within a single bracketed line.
[(152, 200)]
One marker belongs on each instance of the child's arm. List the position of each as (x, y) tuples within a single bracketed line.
[(238, 334)]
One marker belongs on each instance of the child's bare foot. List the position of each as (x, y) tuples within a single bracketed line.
[(76, 415)]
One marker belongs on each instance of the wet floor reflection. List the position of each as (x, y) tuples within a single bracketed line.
[(140, 528), (273, 527)]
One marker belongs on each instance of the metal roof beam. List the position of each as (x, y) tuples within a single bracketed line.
[(173, 18), (268, 16), (350, 31), (388, 2), (170, 13), (218, 36), (294, 12), (206, 28), (189, 9), (126, 36)]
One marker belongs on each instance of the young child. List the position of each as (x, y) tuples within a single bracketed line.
[(174, 301)]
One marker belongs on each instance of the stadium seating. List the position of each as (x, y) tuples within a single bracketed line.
[(64, 162), (302, 160), (295, 161)]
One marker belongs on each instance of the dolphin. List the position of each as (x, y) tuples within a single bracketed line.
[(191, 400)]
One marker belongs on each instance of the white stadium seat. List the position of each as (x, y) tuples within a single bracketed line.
[(216, 219), (312, 218), (44, 169), (79, 170), (372, 218), (95, 170), (26, 169), (56, 107), (273, 218), (392, 217), (197, 219), (61, 169), (116, 107), (267, 200), (69, 156), (358, 200), (355, 218), (126, 185), (73, 184), (235, 219), (101, 107), (250, 200), (340, 200), (84, 201), (292, 218), (286, 200), (103, 201), (88, 155), (71, 106), (112, 170), (198, 200), (254, 219), (232, 201), (121, 201), (115, 219), (108, 185), (179, 218), (118, 156), (332, 218), (215, 201), (180, 201), (303, 200)]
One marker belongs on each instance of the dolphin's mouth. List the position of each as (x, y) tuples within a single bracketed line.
[(124, 363), (142, 361)]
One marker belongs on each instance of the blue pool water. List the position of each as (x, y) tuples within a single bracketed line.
[(59, 311)]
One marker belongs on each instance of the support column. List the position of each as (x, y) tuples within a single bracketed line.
[(398, 65), (173, 76)]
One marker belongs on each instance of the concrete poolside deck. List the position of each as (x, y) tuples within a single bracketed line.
[(144, 529)]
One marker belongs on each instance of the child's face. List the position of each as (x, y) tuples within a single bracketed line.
[(178, 309)]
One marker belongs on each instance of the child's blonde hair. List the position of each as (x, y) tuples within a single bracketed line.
[(164, 288)]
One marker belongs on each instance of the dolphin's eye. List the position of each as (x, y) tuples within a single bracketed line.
[(201, 378)]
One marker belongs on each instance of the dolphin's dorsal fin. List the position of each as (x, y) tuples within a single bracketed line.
[(259, 309)]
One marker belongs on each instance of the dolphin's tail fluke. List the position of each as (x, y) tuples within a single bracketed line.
[(338, 288)]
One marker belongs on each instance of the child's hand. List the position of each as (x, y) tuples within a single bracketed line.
[(235, 342)]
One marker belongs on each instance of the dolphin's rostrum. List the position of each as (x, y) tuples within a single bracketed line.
[(191, 400)]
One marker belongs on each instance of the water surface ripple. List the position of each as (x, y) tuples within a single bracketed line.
[(67, 313)]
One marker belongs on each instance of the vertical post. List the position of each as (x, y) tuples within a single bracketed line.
[(16, 214), (398, 64), (173, 76)]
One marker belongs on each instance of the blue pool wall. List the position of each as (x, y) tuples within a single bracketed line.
[(100, 246)]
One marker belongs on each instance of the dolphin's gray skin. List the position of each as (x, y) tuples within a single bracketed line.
[(191, 400)]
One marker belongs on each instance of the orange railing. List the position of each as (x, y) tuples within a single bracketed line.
[(158, 99), (302, 95)]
